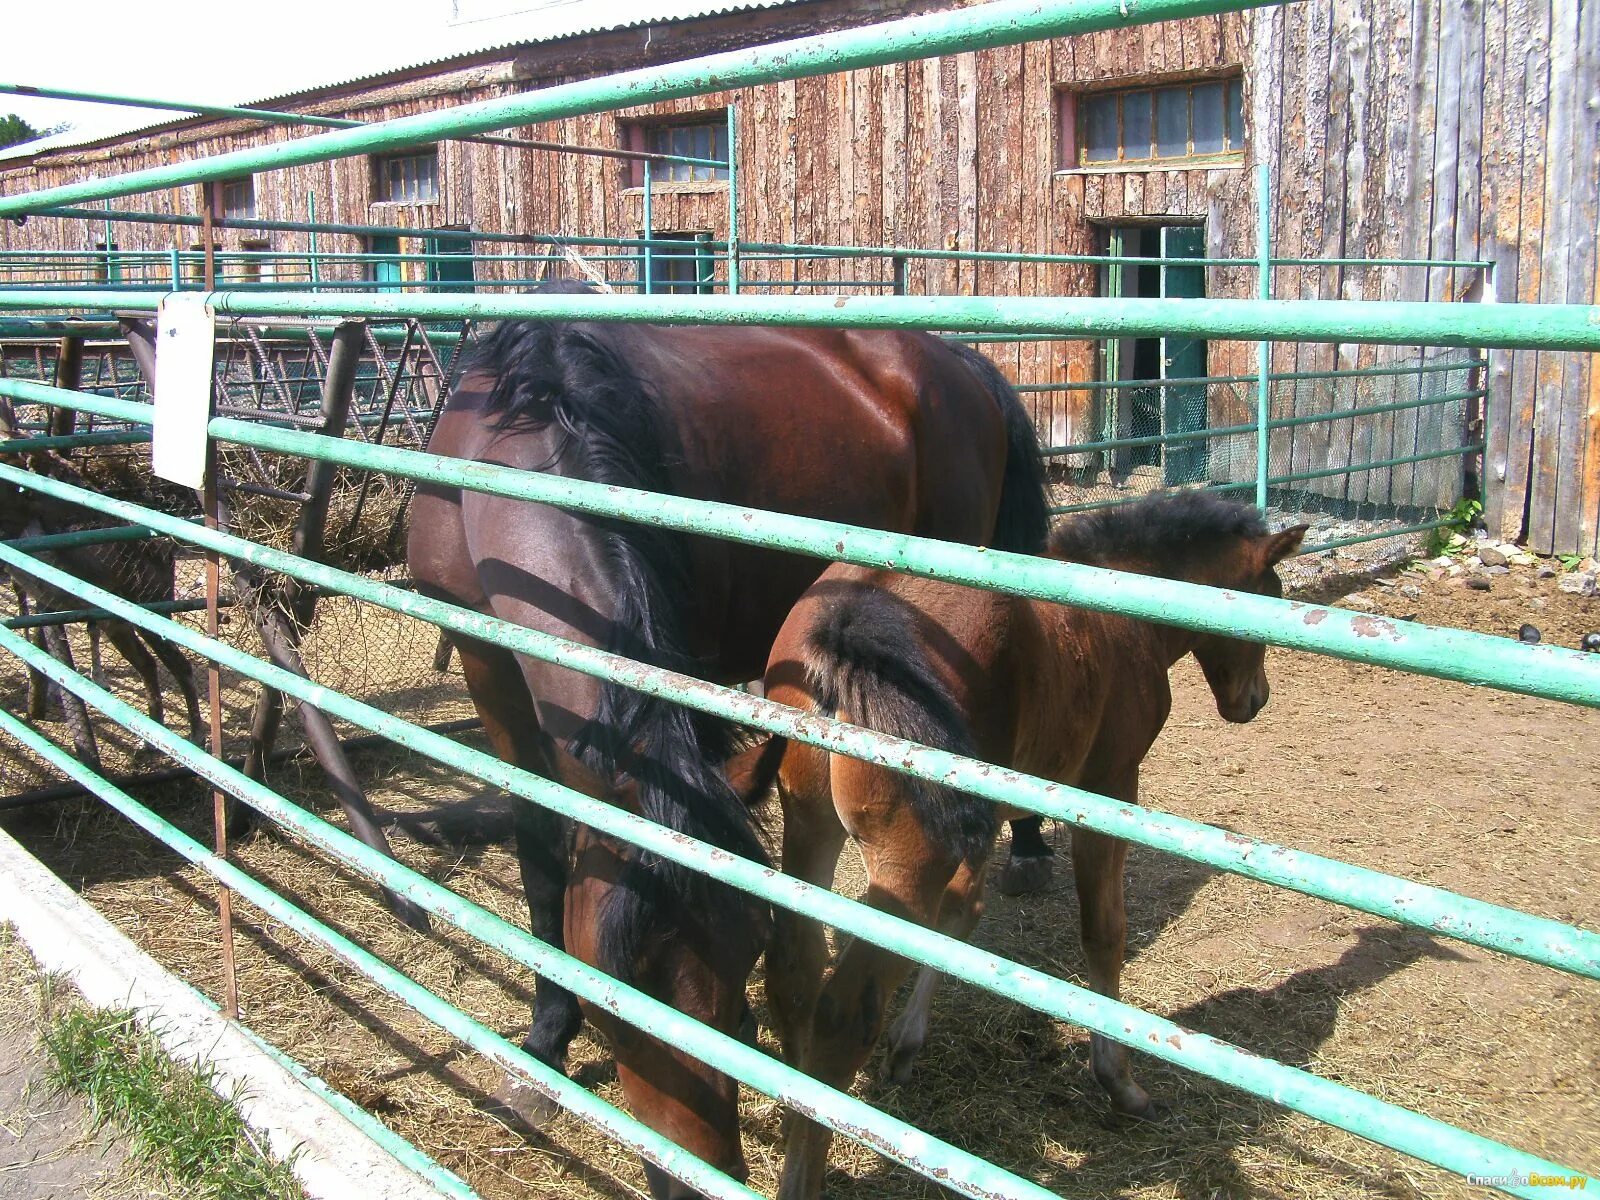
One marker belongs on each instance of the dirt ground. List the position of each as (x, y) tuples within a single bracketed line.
[(50, 1148), (1482, 792)]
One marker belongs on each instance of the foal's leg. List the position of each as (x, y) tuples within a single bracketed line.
[(797, 955), (907, 878), (511, 722), (959, 914), (1029, 867), (1097, 869)]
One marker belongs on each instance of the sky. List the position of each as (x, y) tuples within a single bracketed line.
[(186, 50)]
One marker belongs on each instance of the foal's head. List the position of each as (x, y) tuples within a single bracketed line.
[(1198, 538)]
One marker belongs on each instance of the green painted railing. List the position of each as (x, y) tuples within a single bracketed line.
[(1423, 1137), (1543, 671), (1381, 322)]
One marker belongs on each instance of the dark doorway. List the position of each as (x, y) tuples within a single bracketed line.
[(1152, 397)]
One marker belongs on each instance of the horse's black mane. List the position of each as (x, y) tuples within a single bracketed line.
[(573, 375), (1170, 529)]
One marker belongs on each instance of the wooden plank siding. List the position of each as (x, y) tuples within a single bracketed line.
[(1394, 128)]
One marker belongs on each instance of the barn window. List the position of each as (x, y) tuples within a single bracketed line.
[(1202, 119), (406, 178), (239, 197), (698, 138)]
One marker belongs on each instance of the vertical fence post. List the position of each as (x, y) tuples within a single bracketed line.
[(733, 202), (644, 284), (311, 217), (175, 268), (212, 512), (1263, 348), (901, 270)]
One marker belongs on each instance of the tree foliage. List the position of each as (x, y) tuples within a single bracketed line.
[(14, 129)]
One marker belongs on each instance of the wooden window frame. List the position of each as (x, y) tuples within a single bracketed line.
[(1072, 139), (637, 134), (247, 211), (409, 185)]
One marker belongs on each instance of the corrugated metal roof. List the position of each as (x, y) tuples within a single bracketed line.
[(508, 29)]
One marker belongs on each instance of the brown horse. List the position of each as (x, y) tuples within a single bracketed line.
[(899, 431), (1063, 693)]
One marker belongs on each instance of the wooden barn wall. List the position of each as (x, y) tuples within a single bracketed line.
[(1393, 128)]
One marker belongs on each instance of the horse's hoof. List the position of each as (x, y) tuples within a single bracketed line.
[(410, 915), (1024, 876), (524, 1103), (901, 1061), (1151, 1112)]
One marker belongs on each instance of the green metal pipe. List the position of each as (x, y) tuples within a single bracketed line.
[(1397, 322), (445, 1180), (1389, 1125), (1552, 672), (1443, 653), (955, 1169), (1546, 942), (81, 537), (72, 441), (1096, 385), (1264, 347), (1001, 23), (76, 616), (1380, 535), (731, 247), (271, 116), (1342, 414), (625, 1129)]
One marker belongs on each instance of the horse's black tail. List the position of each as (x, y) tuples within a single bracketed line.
[(1023, 522), (573, 375), (866, 662)]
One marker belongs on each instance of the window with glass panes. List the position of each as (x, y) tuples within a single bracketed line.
[(239, 197), (699, 139), (1202, 119), (406, 178)]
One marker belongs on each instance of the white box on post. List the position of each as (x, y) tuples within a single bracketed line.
[(186, 333)]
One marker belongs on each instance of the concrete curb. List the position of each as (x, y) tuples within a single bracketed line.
[(334, 1159)]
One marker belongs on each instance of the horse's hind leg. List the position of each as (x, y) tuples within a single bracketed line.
[(1029, 866), (505, 705), (959, 914), (1097, 869)]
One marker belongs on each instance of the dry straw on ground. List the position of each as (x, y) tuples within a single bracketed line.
[(1474, 790)]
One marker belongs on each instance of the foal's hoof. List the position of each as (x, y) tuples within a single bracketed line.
[(1022, 876), (524, 1103)]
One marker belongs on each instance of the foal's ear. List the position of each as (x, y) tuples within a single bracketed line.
[(1282, 544)]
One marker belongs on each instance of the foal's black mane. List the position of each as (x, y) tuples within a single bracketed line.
[(616, 434), (1163, 531)]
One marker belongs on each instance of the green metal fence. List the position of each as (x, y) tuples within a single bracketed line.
[(1539, 671)]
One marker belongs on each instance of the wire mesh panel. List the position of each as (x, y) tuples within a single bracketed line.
[(1363, 454)]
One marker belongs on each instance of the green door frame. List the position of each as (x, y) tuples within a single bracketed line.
[(457, 270), (385, 272)]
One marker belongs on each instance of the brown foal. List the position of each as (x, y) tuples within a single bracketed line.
[(1063, 693)]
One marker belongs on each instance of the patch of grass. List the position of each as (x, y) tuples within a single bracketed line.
[(175, 1123)]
